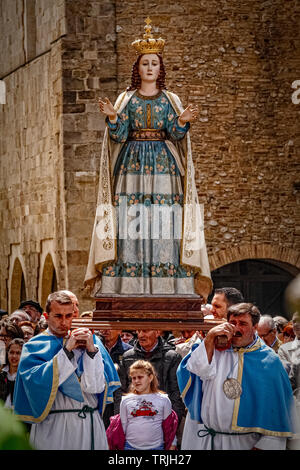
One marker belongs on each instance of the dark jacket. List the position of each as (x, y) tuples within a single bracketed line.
[(165, 362), (6, 386), (116, 353)]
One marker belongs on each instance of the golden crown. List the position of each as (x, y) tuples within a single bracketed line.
[(148, 45)]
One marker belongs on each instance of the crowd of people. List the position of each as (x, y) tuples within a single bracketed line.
[(234, 387)]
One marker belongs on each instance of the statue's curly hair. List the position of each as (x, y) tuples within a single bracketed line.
[(136, 79)]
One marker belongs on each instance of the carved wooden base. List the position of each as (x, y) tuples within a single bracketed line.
[(148, 308), (152, 313)]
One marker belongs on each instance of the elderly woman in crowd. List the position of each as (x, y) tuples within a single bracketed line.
[(9, 331), (28, 330)]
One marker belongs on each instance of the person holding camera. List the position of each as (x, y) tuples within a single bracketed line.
[(235, 388), (65, 378)]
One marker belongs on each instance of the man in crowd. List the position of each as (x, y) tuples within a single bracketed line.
[(65, 378), (266, 329), (151, 347), (223, 298), (114, 344), (75, 302), (128, 336), (33, 309), (19, 316), (186, 342), (239, 398), (116, 348)]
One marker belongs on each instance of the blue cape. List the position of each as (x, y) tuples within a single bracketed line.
[(266, 403), (37, 379)]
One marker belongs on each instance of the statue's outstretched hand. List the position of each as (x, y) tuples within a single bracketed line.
[(107, 108), (188, 115)]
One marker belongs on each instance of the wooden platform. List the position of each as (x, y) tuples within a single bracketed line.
[(147, 325), (152, 313)]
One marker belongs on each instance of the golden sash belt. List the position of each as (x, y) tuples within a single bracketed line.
[(147, 134)]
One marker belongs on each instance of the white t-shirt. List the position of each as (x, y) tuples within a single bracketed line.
[(142, 417)]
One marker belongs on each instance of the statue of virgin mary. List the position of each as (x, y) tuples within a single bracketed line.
[(148, 235)]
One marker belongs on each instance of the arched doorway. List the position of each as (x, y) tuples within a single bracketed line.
[(17, 286), (262, 282), (49, 279)]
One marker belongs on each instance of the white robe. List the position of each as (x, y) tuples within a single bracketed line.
[(217, 409), (67, 431)]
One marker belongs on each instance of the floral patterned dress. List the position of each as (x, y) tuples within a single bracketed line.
[(148, 197)]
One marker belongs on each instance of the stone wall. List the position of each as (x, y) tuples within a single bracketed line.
[(32, 201), (89, 70), (236, 59)]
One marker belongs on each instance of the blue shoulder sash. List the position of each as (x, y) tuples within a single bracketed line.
[(266, 403), (37, 379), (190, 386)]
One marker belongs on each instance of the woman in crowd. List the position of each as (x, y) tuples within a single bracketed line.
[(28, 330), (9, 331), (288, 333), (9, 372)]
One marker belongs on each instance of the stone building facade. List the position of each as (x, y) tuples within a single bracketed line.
[(237, 59)]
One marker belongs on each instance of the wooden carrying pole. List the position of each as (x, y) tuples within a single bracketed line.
[(204, 326)]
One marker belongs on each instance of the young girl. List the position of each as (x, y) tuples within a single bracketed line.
[(146, 413), (8, 373)]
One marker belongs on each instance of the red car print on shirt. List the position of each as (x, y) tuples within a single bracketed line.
[(144, 410)]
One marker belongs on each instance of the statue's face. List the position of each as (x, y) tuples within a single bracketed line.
[(149, 67)]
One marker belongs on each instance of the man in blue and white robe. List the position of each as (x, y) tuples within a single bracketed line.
[(258, 413), (64, 381)]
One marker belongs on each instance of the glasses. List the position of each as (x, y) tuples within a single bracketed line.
[(266, 334)]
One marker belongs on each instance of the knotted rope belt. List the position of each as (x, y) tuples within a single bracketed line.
[(211, 432), (82, 413)]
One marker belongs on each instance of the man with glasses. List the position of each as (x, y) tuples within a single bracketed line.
[(267, 331)]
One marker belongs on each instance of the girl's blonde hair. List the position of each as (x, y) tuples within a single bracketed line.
[(146, 367)]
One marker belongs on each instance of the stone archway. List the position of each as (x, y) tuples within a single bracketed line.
[(17, 286), (260, 272), (273, 253), (48, 280)]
